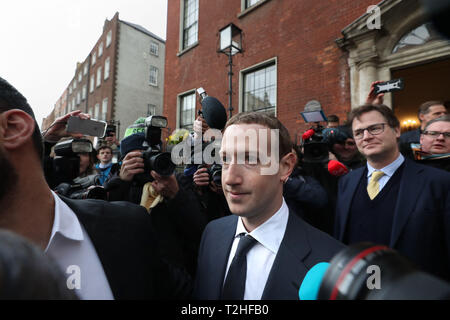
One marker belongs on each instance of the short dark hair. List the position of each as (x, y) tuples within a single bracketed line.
[(333, 118), (104, 147), (445, 118), (266, 120), (385, 111), (10, 99), (425, 107)]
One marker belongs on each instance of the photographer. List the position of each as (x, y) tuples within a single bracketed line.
[(71, 173), (342, 145), (206, 180), (172, 204)]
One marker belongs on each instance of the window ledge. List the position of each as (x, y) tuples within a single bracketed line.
[(250, 9), (187, 49)]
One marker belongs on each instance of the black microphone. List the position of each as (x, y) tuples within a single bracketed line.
[(214, 113)]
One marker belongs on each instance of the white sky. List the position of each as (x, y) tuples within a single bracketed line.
[(42, 40)]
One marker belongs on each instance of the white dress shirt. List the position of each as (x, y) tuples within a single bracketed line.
[(72, 249), (261, 256), (389, 171)]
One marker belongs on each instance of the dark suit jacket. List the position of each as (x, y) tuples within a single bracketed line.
[(122, 235), (421, 224), (302, 247)]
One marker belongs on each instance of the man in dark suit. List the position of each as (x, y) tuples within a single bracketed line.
[(107, 249), (392, 200), (263, 250)]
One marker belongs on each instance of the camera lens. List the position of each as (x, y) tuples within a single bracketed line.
[(162, 164)]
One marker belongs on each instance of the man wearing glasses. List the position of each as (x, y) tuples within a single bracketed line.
[(435, 144), (392, 200)]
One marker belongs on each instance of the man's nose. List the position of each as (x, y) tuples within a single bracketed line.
[(232, 175)]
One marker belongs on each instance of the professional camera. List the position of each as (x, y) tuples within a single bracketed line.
[(154, 158), (66, 163), (317, 142), (66, 168), (366, 271), (83, 189), (215, 173)]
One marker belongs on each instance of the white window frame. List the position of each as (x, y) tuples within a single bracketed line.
[(83, 92), (92, 84), (100, 49), (154, 48), (94, 58), (153, 70), (183, 28), (107, 66), (99, 76), (108, 38), (180, 102), (254, 68), (97, 111), (104, 108)]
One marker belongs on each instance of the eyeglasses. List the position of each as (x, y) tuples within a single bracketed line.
[(373, 130), (435, 134)]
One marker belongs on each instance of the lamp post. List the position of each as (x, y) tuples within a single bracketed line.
[(230, 44)]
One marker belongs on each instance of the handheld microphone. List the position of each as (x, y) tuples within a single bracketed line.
[(336, 168), (308, 134), (310, 286)]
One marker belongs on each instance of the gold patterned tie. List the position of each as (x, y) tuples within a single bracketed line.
[(373, 188)]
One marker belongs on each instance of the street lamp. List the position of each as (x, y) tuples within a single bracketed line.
[(230, 44)]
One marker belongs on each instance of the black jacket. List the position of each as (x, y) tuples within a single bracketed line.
[(178, 222), (126, 245)]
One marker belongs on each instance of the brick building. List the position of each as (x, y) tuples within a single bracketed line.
[(296, 51), (122, 78)]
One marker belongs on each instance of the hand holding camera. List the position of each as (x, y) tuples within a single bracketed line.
[(132, 164)]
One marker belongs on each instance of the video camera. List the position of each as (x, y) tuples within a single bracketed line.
[(66, 169), (318, 142)]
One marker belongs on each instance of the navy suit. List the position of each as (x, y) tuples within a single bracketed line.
[(302, 247), (421, 219)]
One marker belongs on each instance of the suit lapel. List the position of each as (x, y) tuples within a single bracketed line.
[(408, 195), (224, 240), (288, 268), (100, 234), (346, 200)]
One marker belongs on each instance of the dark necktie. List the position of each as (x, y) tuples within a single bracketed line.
[(234, 286)]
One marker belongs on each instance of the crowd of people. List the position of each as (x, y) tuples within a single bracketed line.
[(244, 235)]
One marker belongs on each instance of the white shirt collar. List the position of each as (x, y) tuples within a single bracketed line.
[(390, 169), (270, 233), (65, 222)]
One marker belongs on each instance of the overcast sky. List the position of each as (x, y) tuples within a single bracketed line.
[(41, 41)]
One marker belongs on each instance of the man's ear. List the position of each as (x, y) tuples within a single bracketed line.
[(287, 165), (18, 127)]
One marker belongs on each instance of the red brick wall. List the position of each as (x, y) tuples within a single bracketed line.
[(300, 33)]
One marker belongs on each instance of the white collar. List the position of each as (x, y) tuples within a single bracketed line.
[(390, 169), (270, 233), (65, 222)]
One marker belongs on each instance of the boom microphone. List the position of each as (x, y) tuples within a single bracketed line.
[(214, 113), (336, 168)]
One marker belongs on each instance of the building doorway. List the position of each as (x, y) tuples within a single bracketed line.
[(423, 83)]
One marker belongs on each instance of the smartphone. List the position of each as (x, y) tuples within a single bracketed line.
[(389, 86), (87, 127)]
